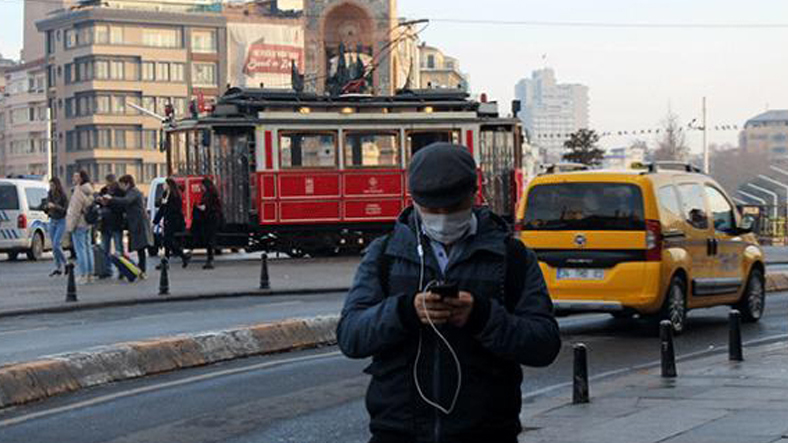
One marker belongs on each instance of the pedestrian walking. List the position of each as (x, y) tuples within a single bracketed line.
[(112, 220), (207, 218), (449, 306), (171, 211), (78, 227), (139, 226), (56, 208)]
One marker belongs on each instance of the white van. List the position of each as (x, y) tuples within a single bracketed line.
[(23, 222), (155, 194)]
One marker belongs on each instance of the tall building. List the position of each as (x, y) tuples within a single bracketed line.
[(439, 71), (23, 120), (33, 39), (101, 60), (551, 111), (766, 133)]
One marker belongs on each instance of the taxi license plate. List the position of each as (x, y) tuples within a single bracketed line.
[(581, 274)]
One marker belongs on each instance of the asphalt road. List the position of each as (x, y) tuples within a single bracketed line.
[(316, 396)]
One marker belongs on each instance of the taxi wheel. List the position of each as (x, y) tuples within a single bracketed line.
[(753, 299), (675, 307), (12, 255), (36, 249)]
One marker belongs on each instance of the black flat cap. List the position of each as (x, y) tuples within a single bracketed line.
[(441, 175)]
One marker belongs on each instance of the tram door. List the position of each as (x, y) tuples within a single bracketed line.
[(232, 169), (499, 159), (422, 138)]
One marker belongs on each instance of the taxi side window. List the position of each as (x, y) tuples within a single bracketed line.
[(721, 210), (669, 200), (694, 205)]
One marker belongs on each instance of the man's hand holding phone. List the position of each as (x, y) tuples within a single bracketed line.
[(444, 304)]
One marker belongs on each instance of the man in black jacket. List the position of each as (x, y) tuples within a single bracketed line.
[(446, 369), (111, 222)]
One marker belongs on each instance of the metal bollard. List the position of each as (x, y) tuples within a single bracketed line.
[(264, 281), (668, 352), (735, 352), (71, 286), (580, 378), (164, 277)]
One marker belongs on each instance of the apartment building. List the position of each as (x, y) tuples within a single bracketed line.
[(766, 133), (101, 60), (23, 120), (439, 71)]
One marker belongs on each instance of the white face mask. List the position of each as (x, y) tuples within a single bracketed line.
[(446, 228)]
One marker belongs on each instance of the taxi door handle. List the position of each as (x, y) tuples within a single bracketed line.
[(712, 246)]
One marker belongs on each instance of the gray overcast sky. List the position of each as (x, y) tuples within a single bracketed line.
[(634, 74)]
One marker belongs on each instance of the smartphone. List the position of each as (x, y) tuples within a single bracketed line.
[(446, 290)]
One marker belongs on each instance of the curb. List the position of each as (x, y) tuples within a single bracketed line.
[(79, 306), (37, 380)]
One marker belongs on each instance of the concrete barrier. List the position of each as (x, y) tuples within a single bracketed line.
[(26, 382)]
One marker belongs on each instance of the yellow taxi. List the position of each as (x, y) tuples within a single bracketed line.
[(655, 242)]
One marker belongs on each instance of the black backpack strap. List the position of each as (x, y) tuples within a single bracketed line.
[(516, 263), (384, 265)]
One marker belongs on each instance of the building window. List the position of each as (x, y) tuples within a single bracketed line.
[(102, 70), (148, 71), (50, 42), (431, 61), (162, 38), (120, 139), (162, 72), (116, 35), (176, 72), (101, 35), (70, 39), (204, 74), (203, 41), (117, 70), (102, 104), (118, 104), (149, 103)]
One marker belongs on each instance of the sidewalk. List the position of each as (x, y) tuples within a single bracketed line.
[(26, 289), (712, 401)]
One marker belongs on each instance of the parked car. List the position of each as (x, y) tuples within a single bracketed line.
[(655, 243), (23, 222)]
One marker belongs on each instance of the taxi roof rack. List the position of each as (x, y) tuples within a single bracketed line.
[(654, 167), (564, 167)]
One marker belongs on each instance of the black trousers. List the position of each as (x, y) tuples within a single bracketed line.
[(142, 260)]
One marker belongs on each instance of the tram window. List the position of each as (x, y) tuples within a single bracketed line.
[(308, 150), (371, 150), (420, 139)]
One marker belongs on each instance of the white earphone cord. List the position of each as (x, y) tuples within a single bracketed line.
[(434, 404)]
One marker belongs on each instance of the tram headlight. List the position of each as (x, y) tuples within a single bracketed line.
[(348, 110), (428, 110), (305, 110)]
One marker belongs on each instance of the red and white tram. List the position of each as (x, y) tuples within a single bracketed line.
[(306, 174)]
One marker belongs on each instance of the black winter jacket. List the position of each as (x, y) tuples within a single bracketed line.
[(503, 332)]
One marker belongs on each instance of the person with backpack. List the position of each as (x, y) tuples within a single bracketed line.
[(140, 231), (449, 305), (112, 219), (78, 221)]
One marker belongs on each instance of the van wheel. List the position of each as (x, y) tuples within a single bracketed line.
[(37, 248), (675, 306), (753, 300)]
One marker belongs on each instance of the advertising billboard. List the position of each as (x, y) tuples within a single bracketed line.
[(263, 53)]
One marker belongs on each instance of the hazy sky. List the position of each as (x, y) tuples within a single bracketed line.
[(634, 74)]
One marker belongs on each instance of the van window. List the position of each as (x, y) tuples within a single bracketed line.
[(694, 205), (9, 199), (669, 199), (721, 210), (585, 206), (36, 198)]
